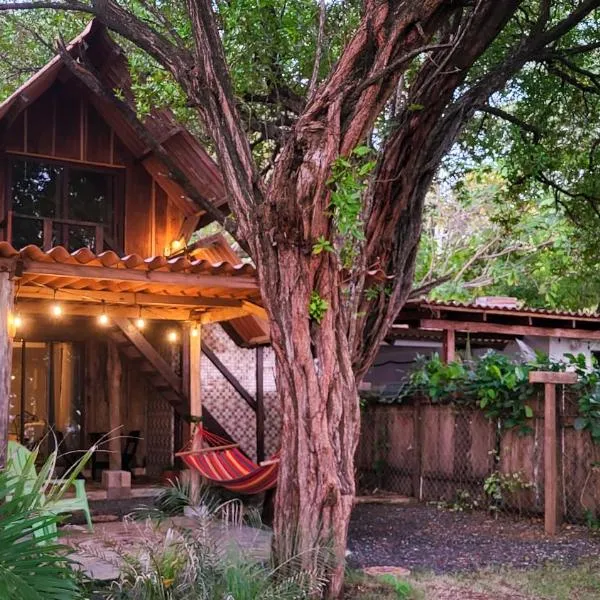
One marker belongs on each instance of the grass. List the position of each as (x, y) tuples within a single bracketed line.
[(359, 586), (550, 582)]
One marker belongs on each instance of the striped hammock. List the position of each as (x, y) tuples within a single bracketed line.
[(226, 465)]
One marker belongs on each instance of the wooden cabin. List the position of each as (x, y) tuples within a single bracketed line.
[(102, 298)]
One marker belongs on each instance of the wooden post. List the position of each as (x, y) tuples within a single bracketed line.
[(195, 392), (449, 346), (260, 406), (417, 447), (114, 371), (552, 511), (6, 351)]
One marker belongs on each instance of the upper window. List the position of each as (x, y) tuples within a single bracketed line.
[(57, 204)]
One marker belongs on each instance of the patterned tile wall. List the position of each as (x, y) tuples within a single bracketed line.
[(225, 403)]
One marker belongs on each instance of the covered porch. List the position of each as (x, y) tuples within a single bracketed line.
[(102, 347)]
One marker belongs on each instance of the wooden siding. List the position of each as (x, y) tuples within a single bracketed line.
[(64, 125)]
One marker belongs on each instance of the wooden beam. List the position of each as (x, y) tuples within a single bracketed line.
[(149, 352), (41, 307), (560, 378), (128, 298), (260, 406), (195, 393), (6, 352), (255, 309), (449, 346), (552, 476), (113, 374), (220, 315), (474, 327), (114, 274), (231, 378)]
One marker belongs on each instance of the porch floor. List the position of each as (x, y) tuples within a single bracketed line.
[(100, 554)]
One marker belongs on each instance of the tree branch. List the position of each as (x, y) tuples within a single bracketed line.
[(506, 116), (319, 48), (397, 64)]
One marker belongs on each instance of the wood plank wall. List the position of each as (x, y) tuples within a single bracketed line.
[(63, 125), (435, 452)]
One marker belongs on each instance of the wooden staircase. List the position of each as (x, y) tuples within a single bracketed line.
[(137, 349)]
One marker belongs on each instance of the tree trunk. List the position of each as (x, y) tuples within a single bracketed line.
[(321, 420), (6, 352)]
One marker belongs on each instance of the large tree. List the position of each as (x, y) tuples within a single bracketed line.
[(332, 226)]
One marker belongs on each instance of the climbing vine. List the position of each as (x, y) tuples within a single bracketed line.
[(499, 385), (348, 181)]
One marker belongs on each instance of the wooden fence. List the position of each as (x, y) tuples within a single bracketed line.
[(436, 452)]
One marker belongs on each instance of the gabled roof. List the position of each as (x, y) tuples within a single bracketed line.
[(109, 61)]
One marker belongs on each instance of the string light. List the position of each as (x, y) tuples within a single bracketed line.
[(103, 317), (172, 336), (139, 322), (56, 308)]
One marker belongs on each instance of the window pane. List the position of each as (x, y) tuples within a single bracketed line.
[(34, 188), (27, 231), (74, 237), (90, 197)]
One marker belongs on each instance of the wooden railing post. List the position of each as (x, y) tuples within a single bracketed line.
[(552, 511)]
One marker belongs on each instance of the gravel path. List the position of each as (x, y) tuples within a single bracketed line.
[(427, 538)]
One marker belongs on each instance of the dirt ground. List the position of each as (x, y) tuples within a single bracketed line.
[(426, 538), (472, 556)]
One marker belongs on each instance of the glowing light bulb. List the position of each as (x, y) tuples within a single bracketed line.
[(172, 336), (175, 245), (18, 321), (195, 331), (140, 323), (56, 310), (103, 319)]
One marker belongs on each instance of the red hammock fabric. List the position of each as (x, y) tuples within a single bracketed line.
[(230, 468)]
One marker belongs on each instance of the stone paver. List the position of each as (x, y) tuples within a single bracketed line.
[(99, 554)]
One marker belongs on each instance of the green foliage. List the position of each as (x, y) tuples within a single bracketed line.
[(463, 501), (587, 390), (349, 179), (502, 389), (32, 567), (317, 307), (438, 380), (322, 245), (476, 242), (495, 383), (178, 564), (501, 488)]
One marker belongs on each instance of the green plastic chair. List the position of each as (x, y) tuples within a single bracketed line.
[(20, 465)]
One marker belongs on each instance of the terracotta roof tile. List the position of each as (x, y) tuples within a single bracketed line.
[(112, 260), (502, 308)]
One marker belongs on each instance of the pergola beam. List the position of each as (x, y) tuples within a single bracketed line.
[(82, 309), (475, 327), (115, 274), (127, 298)]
